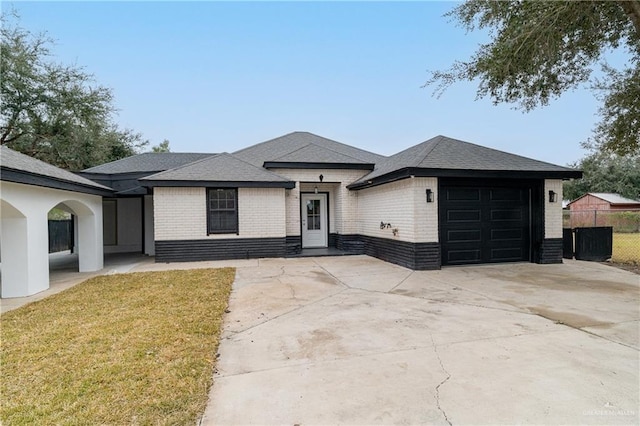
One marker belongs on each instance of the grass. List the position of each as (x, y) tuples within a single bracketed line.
[(119, 349), (626, 248)]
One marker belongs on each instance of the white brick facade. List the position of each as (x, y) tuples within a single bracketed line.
[(343, 204), (181, 213), (553, 211), (403, 204)]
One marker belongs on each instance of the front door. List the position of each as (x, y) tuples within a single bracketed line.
[(314, 220)]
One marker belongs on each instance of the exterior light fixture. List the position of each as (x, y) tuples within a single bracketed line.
[(553, 197), (315, 189), (429, 196), (320, 177)]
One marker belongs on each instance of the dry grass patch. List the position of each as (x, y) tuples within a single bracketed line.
[(119, 349), (626, 248)]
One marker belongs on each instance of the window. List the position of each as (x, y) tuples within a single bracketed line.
[(222, 211)]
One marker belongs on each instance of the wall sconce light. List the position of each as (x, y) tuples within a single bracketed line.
[(315, 189), (429, 196), (320, 177), (552, 197)]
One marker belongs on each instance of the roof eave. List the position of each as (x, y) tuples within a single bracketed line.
[(35, 179), (218, 184), (407, 172)]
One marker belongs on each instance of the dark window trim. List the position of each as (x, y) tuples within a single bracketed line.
[(223, 232)]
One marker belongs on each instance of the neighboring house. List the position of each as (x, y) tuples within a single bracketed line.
[(29, 189), (604, 209), (442, 202), (603, 201)]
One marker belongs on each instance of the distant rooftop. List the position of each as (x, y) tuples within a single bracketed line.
[(613, 198)]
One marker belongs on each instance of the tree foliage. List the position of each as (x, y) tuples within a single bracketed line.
[(55, 112), (606, 172), (161, 147), (540, 49)]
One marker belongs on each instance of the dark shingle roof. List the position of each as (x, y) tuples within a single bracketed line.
[(304, 147), (218, 168), (319, 154), (11, 160), (148, 162), (446, 153)]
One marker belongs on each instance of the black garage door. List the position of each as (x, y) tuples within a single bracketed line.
[(484, 224)]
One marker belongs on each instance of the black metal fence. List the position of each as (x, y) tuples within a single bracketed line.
[(625, 231), (60, 235)]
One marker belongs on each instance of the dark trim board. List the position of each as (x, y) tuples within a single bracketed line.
[(219, 249), (408, 172), (218, 184), (27, 178)]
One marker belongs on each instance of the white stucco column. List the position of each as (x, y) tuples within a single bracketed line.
[(25, 257), (90, 257)]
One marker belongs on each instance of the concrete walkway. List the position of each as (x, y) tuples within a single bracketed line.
[(354, 340)]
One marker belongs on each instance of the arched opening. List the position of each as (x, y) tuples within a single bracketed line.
[(84, 239), (62, 223)]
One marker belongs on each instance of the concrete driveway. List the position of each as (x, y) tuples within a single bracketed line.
[(354, 340)]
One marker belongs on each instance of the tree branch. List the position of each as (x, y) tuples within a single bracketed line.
[(632, 9)]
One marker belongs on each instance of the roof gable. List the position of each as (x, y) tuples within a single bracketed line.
[(217, 169), (305, 147), (20, 168)]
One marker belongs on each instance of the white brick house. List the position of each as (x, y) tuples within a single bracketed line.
[(441, 202)]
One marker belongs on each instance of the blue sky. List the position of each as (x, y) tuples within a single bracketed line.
[(219, 76)]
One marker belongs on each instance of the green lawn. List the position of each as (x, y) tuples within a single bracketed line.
[(626, 248), (119, 349)]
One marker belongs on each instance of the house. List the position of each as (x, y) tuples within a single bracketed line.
[(604, 209), (128, 210), (603, 201), (441, 202), (29, 189)]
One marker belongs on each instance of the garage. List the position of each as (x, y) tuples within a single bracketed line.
[(487, 222)]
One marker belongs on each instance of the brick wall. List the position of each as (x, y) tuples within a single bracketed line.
[(180, 213), (402, 204), (553, 211)]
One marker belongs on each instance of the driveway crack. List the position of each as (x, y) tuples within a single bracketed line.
[(444, 370)]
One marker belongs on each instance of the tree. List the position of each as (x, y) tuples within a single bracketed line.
[(161, 147), (606, 172), (540, 49), (56, 113)]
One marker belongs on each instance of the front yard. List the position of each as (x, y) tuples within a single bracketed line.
[(119, 349)]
